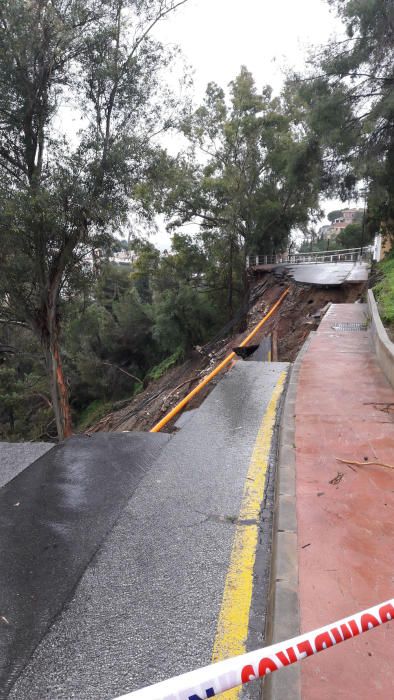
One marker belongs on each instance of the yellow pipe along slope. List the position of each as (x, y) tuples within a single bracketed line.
[(211, 375)]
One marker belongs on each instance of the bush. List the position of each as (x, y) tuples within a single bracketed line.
[(384, 291), (92, 413), (158, 371)]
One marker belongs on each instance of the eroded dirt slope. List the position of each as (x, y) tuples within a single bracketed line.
[(299, 314)]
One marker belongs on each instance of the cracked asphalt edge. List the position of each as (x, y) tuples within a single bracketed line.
[(283, 615)]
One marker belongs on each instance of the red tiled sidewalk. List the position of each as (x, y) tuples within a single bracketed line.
[(345, 530)]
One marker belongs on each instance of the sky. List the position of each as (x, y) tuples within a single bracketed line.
[(217, 37)]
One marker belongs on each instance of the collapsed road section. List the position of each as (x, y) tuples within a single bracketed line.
[(285, 333)]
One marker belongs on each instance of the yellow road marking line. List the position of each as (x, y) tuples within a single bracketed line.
[(233, 623)]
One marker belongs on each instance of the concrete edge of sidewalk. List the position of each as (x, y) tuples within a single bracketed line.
[(384, 347), (283, 605)]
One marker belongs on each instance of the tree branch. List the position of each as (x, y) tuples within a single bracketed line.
[(14, 322), (159, 16), (110, 364)]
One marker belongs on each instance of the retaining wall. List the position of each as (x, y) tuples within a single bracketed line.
[(384, 348)]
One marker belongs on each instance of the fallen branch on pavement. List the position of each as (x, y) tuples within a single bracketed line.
[(365, 464)]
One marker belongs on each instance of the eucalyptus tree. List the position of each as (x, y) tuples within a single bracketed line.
[(64, 191), (251, 176), (349, 103)]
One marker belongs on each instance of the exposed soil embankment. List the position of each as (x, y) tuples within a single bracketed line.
[(299, 314)]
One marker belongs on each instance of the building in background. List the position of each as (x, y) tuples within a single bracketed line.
[(123, 257), (352, 216), (347, 217)]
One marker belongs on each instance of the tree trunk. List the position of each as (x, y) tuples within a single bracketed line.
[(245, 278), (11, 419), (58, 387), (245, 292), (230, 305)]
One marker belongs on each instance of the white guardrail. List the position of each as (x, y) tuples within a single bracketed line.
[(326, 256)]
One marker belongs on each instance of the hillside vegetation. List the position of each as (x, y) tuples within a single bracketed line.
[(77, 334), (384, 292)]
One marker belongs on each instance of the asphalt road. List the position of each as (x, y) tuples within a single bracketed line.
[(147, 605), (15, 457), (54, 516), (330, 274)]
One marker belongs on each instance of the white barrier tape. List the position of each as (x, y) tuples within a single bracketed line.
[(211, 680)]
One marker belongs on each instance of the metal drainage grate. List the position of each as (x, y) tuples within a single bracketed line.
[(350, 327)]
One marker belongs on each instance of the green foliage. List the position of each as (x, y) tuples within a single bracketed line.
[(384, 291), (353, 236), (181, 288), (348, 101), (108, 342), (92, 414), (159, 370), (113, 340), (25, 409), (315, 244), (62, 198), (260, 179), (182, 318)]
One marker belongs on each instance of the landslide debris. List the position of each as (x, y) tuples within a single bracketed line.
[(299, 314)]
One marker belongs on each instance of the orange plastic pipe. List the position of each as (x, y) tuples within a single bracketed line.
[(211, 375)]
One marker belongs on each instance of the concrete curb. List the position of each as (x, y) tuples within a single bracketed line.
[(283, 605), (384, 348), (259, 610)]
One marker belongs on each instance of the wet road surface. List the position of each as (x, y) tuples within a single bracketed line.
[(15, 457), (147, 606), (54, 516)]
